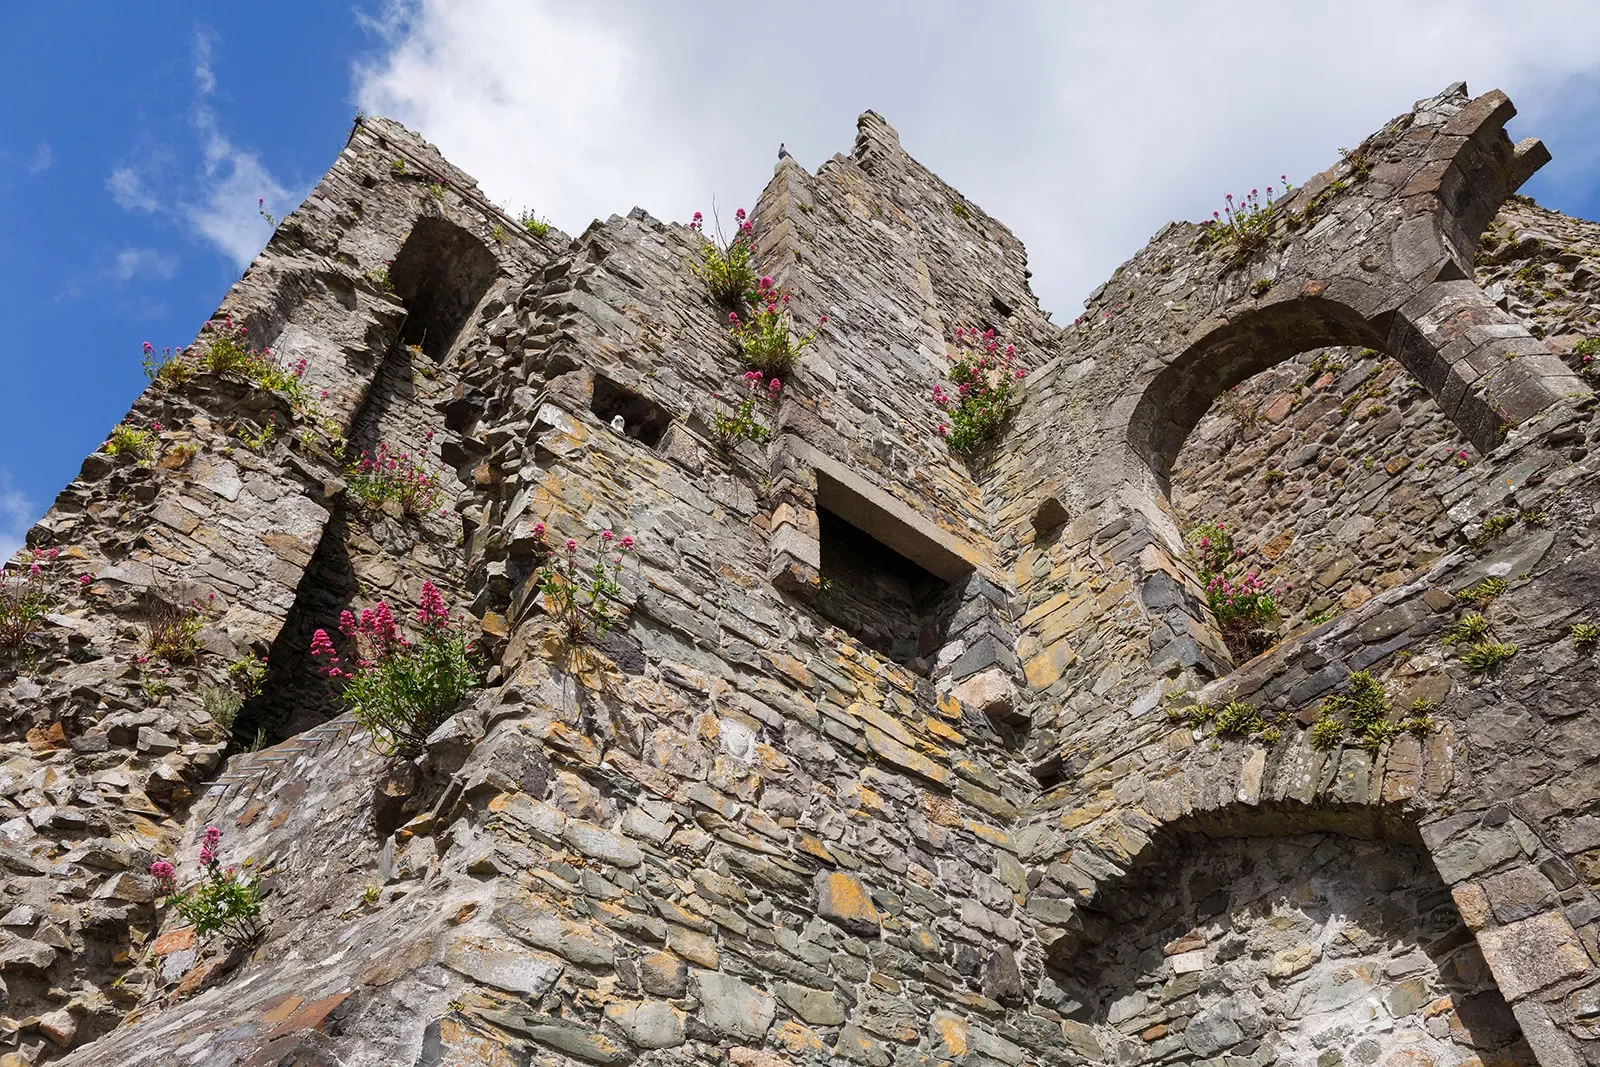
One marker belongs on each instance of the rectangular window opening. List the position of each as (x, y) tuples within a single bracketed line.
[(641, 418), (884, 600)]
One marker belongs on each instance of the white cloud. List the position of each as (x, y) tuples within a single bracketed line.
[(235, 186), (43, 159), (129, 191), (1084, 127), (233, 183), (141, 263), (16, 515), (205, 77)]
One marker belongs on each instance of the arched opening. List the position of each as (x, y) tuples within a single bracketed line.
[(1313, 949), (1306, 486), (1327, 473), (440, 274)]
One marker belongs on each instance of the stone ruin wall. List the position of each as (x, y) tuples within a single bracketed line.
[(1328, 465), (750, 826)]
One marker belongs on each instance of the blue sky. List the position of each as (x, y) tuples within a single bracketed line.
[(136, 138)]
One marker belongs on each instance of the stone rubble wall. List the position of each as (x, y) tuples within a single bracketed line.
[(730, 831), (1328, 466)]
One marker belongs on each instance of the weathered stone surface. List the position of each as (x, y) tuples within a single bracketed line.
[(844, 899), (732, 1007)]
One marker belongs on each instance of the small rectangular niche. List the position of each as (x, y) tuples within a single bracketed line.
[(642, 418)]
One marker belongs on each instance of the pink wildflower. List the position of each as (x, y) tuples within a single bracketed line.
[(627, 542), (606, 535), (572, 547)]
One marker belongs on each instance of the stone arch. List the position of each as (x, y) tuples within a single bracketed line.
[(1170, 405), (1287, 945)]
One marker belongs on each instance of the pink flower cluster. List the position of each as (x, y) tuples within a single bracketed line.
[(984, 374)]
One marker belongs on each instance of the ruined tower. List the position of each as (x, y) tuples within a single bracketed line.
[(891, 756)]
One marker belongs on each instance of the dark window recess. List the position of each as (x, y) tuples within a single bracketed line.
[(440, 274), (642, 418), (1000, 306), (1049, 519), (880, 597)]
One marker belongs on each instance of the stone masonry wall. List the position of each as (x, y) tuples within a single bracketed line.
[(1068, 830), (1327, 467)]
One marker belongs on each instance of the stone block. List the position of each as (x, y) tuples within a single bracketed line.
[(733, 1008), (844, 899), (1529, 955)]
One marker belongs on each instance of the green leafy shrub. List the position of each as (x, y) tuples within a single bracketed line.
[(175, 629), (1484, 591), (1493, 528), (398, 476), (1364, 707), (585, 599), (224, 900), (1485, 657), (25, 596), (765, 333), (1326, 733), (1238, 719), (1585, 634), (745, 424), (533, 223), (166, 366), (988, 382), (1213, 547), (1469, 630), (127, 441), (402, 688), (726, 266)]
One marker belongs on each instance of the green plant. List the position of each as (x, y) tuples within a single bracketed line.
[(402, 688), (745, 424), (127, 441), (166, 366), (1485, 591), (1586, 350), (584, 599), (224, 900), (988, 389), (175, 630), (1585, 634), (225, 349), (1470, 629), (1245, 225), (726, 266), (958, 209), (222, 704), (370, 894), (1364, 707), (498, 233), (1326, 733), (379, 278), (1493, 527), (1238, 719), (1261, 287), (533, 223), (1321, 617), (25, 596), (1534, 517), (257, 439), (1359, 162), (437, 190), (765, 333), (1213, 548), (1245, 604), (398, 476), (1486, 657), (398, 166), (247, 674)]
